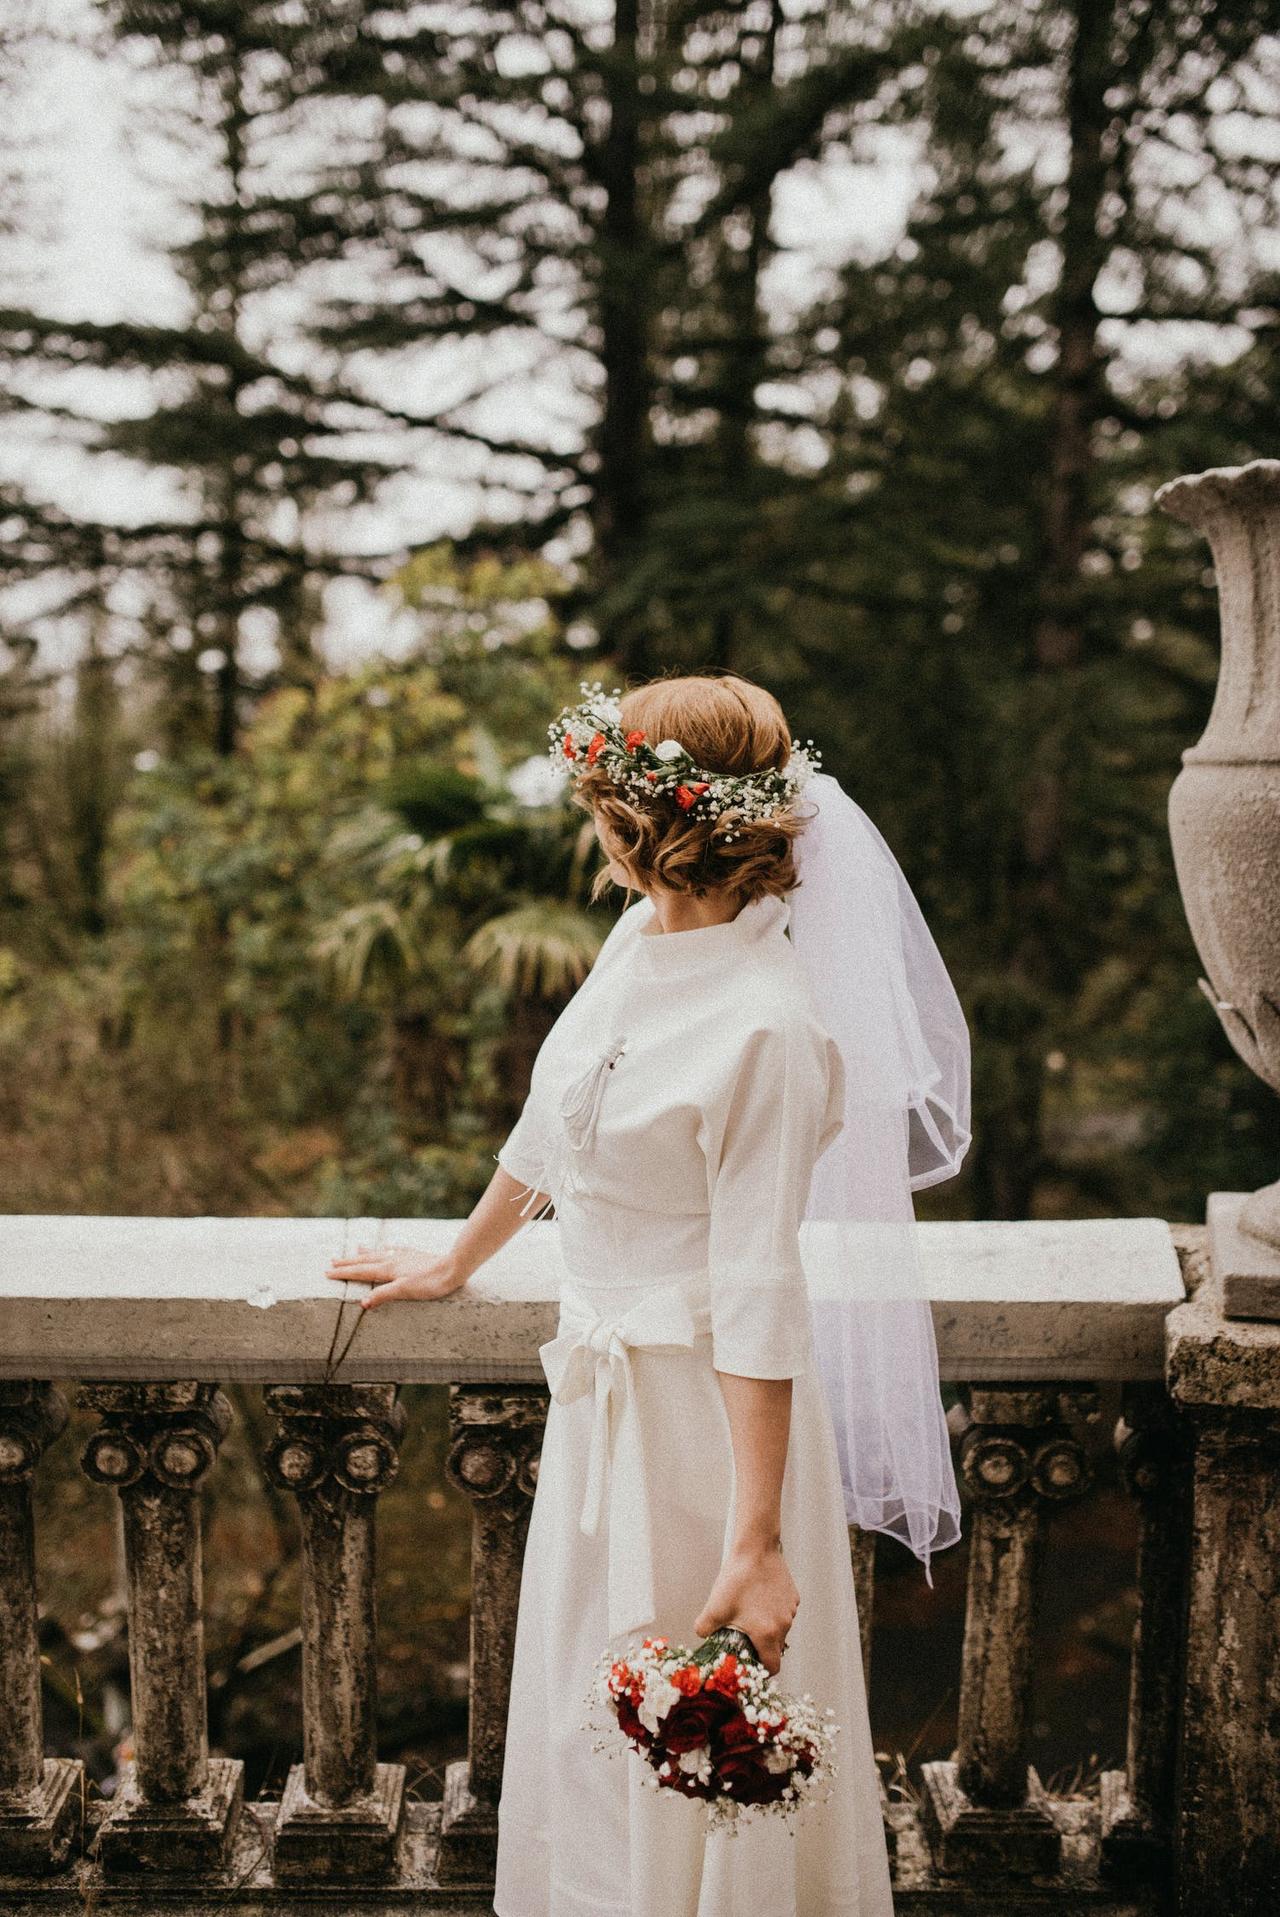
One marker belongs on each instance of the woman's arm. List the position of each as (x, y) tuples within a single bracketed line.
[(397, 1272), (754, 1589)]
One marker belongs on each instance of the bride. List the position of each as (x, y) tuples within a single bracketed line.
[(692, 1475)]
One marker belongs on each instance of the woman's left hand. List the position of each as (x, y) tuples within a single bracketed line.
[(756, 1592), (396, 1271)]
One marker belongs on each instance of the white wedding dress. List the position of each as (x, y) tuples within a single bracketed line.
[(675, 1112)]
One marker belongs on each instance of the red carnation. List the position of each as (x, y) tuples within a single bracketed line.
[(688, 1679), (687, 795), (633, 740), (569, 749), (725, 1677), (651, 776), (595, 748)]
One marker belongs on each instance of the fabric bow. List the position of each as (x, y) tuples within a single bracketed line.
[(592, 1354)]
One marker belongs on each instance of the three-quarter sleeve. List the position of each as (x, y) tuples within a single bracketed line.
[(777, 1120)]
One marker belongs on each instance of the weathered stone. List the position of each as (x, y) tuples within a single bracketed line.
[(221, 1298), (1224, 806), (339, 1843), (986, 1809), (862, 1550), (336, 1448), (1220, 1362), (1153, 1444), (187, 1839), (1248, 1267), (497, 1439), (175, 1811), (39, 1796), (983, 1842), (1226, 1376)]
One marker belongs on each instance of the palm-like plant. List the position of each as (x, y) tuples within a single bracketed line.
[(541, 949), (477, 917)]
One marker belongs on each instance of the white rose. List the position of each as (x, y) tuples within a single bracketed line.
[(669, 749)]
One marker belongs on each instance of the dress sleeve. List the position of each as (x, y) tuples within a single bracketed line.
[(523, 1153), (780, 1116)]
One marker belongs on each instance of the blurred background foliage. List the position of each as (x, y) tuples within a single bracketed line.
[(282, 926)]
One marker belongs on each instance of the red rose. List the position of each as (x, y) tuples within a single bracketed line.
[(748, 1779), (629, 1719), (634, 739), (595, 748), (695, 1720), (737, 1735)]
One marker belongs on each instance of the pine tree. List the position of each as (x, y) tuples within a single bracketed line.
[(1020, 647), (595, 195), (259, 445)]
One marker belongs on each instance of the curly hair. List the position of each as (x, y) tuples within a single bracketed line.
[(726, 724)]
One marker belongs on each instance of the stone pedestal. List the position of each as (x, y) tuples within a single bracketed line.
[(1225, 1376), (1247, 1268)]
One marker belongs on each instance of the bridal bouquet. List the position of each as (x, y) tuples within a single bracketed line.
[(710, 1724)]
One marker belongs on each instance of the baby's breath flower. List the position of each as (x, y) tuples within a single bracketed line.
[(591, 736)]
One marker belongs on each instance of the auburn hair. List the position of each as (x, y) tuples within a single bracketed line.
[(725, 724)]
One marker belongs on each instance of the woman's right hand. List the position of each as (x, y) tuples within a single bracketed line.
[(395, 1271)]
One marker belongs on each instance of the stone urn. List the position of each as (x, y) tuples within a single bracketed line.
[(1224, 807)]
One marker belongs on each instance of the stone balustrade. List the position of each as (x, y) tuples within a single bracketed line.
[(1036, 1323)]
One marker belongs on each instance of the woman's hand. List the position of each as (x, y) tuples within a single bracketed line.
[(396, 1272), (756, 1592)]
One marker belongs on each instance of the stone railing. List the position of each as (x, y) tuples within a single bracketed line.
[(150, 1316)]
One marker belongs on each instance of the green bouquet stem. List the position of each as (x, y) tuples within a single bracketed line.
[(727, 1638)]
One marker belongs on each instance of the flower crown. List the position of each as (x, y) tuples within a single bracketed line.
[(592, 734)]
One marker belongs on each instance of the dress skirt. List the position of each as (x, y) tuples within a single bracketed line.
[(638, 1447)]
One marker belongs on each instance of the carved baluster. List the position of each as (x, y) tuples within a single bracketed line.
[(862, 1547), (337, 1448), (176, 1808), (40, 1797), (986, 1809), (497, 1439), (1137, 1802)]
